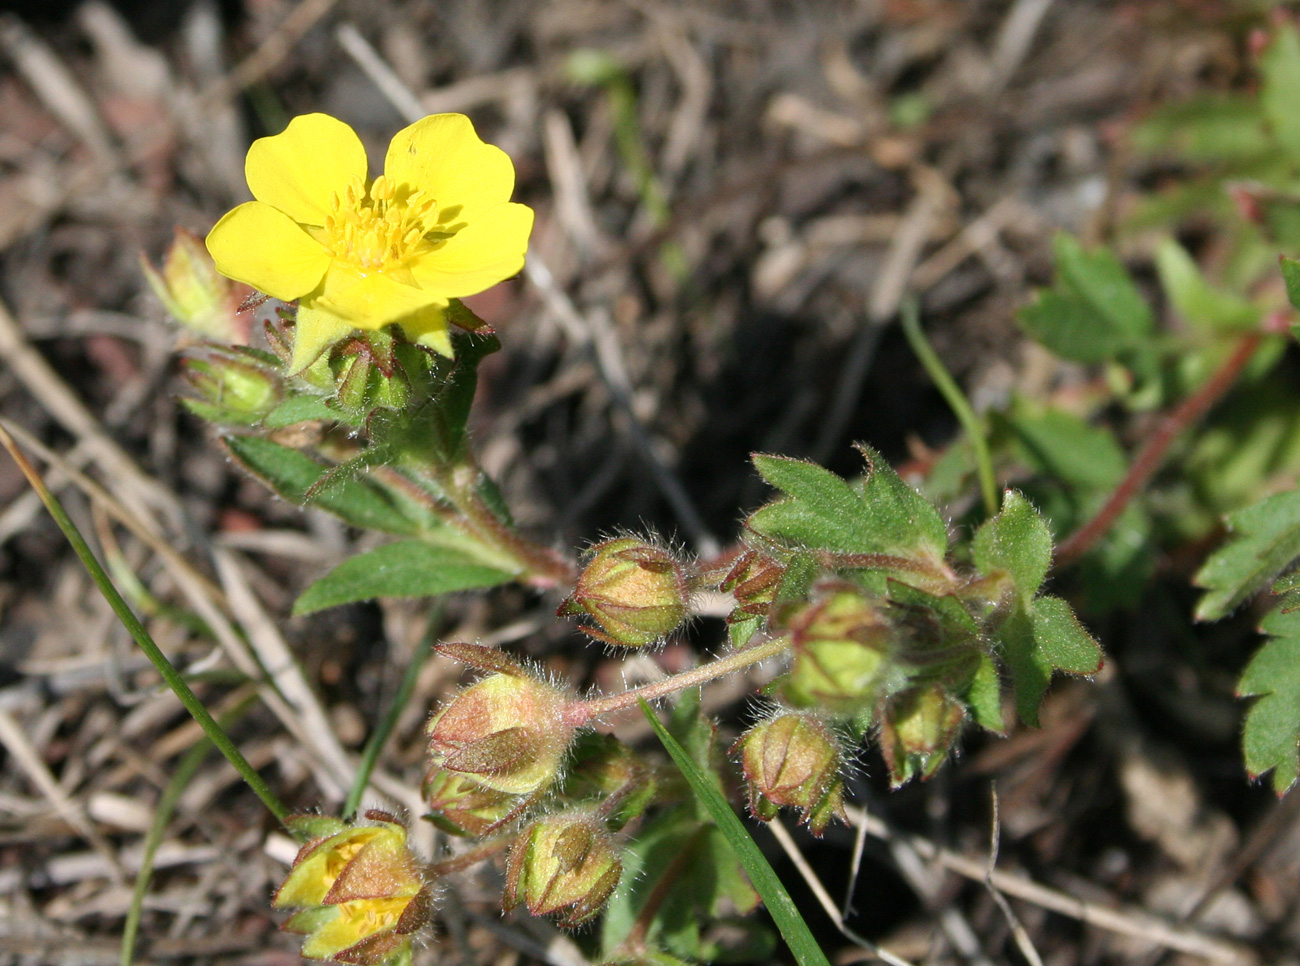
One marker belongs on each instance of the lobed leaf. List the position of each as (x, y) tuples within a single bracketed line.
[(1038, 640), (1265, 541), (1270, 739)]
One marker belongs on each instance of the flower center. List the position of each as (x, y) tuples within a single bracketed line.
[(379, 227)]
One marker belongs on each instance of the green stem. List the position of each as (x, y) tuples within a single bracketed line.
[(124, 613), (185, 772), (952, 394), (581, 712), (370, 754)]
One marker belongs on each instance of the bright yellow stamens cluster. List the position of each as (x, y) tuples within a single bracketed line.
[(379, 227)]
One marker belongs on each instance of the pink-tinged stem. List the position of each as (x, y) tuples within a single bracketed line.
[(581, 712)]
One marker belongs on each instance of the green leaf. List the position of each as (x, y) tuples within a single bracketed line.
[(1279, 66), (903, 521), (407, 568), (1265, 540), (1214, 127), (1287, 587), (822, 511), (780, 906), (292, 474), (1037, 641), (1270, 739), (1095, 311), (1017, 542), (984, 695), (1291, 276), (1195, 299), (1061, 445), (301, 408)]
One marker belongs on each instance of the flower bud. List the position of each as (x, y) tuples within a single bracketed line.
[(634, 591), (562, 865), (918, 727), (239, 387), (753, 580), (195, 295), (359, 892), (842, 644), (463, 805), (604, 769), (793, 761), (508, 734)]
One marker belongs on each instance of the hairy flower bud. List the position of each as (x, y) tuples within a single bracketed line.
[(239, 386), (358, 889), (506, 734), (842, 645), (792, 760), (918, 727), (463, 805), (194, 294), (562, 865), (635, 592), (753, 580)]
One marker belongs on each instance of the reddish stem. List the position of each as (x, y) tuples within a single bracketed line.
[(1152, 455)]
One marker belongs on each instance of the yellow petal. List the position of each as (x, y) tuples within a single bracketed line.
[(258, 245), (370, 301), (442, 156), (428, 327), (299, 170), (488, 251), (314, 332)]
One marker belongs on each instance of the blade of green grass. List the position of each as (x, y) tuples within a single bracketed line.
[(141, 636), (370, 754), (779, 904), (185, 772)]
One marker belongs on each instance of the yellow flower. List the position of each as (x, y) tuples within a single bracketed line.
[(361, 254)]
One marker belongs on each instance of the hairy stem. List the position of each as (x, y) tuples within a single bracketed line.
[(582, 712), (1152, 455)]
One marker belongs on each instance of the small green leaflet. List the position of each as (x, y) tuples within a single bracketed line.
[(407, 568), (1017, 542), (1270, 739), (1280, 67), (1199, 303), (1291, 276), (1038, 640), (1265, 540), (1094, 312)]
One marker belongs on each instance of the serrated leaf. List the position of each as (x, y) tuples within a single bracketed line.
[(1264, 541), (408, 568), (903, 521), (1037, 641), (1094, 312), (822, 510), (1270, 739), (1017, 542), (1195, 299), (1279, 66), (292, 475)]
